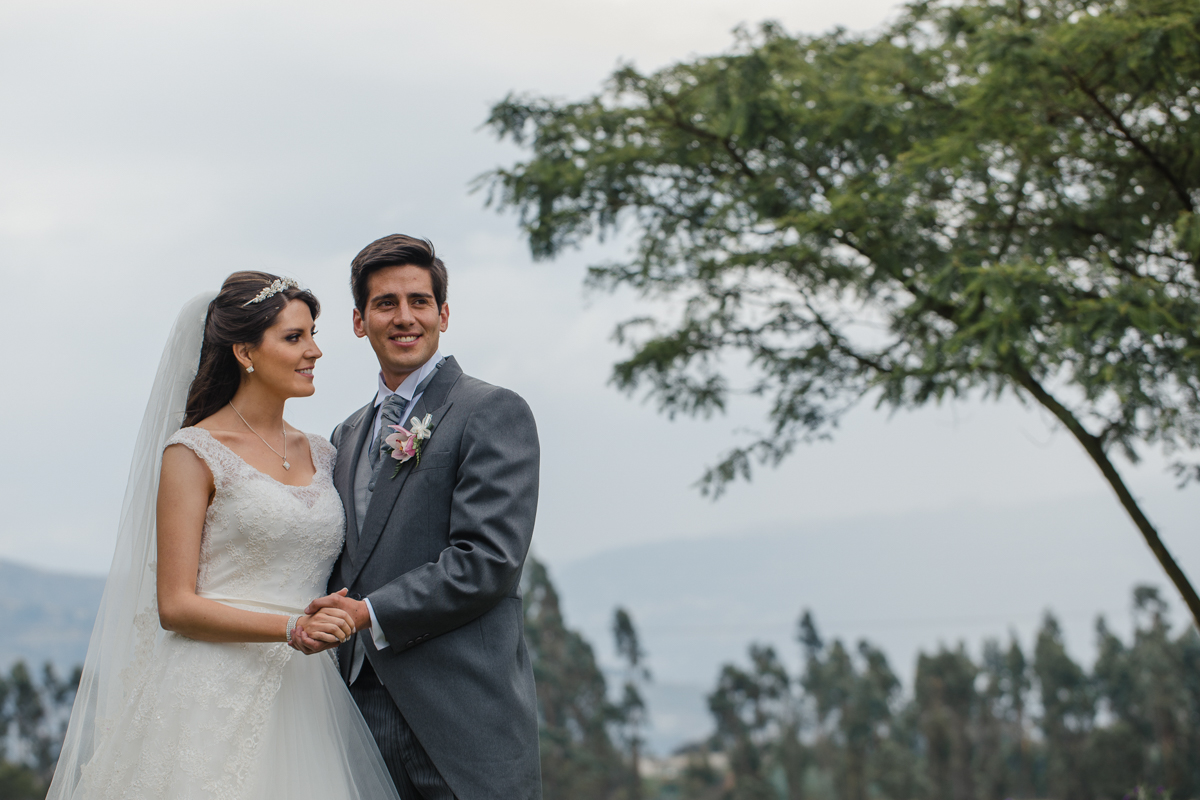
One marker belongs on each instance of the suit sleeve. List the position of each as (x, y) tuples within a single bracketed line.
[(491, 525)]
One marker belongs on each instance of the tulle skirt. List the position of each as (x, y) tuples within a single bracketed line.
[(211, 721)]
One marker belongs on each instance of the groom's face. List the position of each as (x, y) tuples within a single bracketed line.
[(402, 320)]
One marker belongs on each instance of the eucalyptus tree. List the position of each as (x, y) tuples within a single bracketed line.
[(631, 709), (746, 707), (987, 196), (579, 760)]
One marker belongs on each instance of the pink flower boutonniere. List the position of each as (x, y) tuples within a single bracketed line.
[(406, 443)]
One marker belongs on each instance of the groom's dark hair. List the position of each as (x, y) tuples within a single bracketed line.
[(397, 250)]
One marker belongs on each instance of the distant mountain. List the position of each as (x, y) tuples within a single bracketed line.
[(906, 583), (48, 616)]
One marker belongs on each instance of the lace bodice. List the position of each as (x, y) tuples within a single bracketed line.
[(265, 543)]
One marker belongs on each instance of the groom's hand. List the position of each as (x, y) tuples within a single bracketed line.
[(357, 609)]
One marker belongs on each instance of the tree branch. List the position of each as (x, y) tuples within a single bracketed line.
[(695, 130), (836, 340), (1134, 141), (1011, 229), (1094, 448)]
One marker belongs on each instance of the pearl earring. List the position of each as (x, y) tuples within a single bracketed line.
[(250, 368)]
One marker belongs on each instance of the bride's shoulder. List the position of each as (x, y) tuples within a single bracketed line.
[(204, 444), (192, 437), (201, 438)]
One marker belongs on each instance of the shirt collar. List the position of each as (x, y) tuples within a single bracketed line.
[(405, 389)]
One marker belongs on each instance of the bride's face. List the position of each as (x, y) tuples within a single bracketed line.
[(284, 361)]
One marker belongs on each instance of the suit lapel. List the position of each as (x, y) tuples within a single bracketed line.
[(350, 446), (387, 488)]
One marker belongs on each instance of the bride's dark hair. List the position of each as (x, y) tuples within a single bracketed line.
[(233, 319)]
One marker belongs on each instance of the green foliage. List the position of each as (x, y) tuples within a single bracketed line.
[(854, 696), (750, 711), (630, 712), (1152, 689), (965, 731), (18, 782), (33, 720), (988, 196), (579, 761)]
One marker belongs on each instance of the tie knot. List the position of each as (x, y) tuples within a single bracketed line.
[(393, 407)]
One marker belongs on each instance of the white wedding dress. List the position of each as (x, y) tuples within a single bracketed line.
[(242, 721)]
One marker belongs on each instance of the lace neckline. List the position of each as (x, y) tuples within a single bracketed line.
[(312, 455)]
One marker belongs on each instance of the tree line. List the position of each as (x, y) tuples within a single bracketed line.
[(1008, 723)]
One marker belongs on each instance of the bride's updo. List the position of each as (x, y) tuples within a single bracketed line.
[(233, 319)]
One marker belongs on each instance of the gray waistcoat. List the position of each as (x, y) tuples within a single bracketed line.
[(362, 489)]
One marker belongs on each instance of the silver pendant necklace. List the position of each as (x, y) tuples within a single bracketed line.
[(286, 465)]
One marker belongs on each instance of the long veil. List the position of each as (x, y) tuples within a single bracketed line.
[(127, 623)]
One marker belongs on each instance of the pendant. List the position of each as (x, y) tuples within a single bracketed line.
[(286, 465)]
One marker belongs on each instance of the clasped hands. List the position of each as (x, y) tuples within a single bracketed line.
[(328, 621)]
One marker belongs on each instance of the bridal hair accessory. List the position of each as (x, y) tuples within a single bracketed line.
[(286, 465), (406, 443), (277, 286)]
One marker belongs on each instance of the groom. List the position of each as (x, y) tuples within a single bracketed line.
[(434, 548)]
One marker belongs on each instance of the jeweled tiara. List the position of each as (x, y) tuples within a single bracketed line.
[(277, 286)]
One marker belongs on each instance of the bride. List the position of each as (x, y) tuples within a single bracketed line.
[(230, 526)]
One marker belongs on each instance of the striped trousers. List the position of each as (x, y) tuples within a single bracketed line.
[(412, 771)]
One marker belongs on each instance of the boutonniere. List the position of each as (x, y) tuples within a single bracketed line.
[(406, 442)]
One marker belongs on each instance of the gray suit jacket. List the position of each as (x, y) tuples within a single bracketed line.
[(440, 554)]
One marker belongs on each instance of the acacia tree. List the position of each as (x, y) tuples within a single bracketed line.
[(987, 196)]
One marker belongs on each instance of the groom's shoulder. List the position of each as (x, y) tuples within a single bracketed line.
[(348, 422), (472, 391)]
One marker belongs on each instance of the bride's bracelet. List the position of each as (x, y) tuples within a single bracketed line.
[(291, 627)]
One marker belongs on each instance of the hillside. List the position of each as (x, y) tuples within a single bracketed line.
[(49, 615)]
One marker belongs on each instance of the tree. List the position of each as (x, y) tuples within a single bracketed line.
[(746, 708), (1151, 689), (854, 700), (1068, 713), (579, 761), (989, 196), (948, 703), (1004, 752), (631, 711), (33, 722)]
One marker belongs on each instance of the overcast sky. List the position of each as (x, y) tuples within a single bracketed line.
[(149, 149)]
